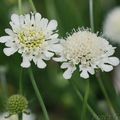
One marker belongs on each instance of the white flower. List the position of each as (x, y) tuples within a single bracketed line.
[(33, 37), (88, 51), (111, 26), (29, 117), (15, 117)]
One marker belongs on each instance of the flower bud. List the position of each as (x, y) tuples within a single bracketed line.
[(17, 104)]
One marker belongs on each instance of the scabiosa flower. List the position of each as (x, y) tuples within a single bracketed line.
[(33, 37), (88, 51), (17, 104), (111, 26)]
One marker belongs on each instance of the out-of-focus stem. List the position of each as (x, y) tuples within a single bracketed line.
[(20, 82), (85, 100), (81, 98), (38, 94), (20, 6), (91, 15), (98, 76), (32, 5), (3, 81), (20, 116)]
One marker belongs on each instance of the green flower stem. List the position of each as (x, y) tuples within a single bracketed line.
[(38, 94), (32, 5), (20, 79), (82, 99), (98, 73), (85, 100), (98, 76), (4, 84), (20, 82), (20, 116), (20, 6), (91, 15)]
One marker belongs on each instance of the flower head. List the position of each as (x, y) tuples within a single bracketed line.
[(87, 50), (17, 104), (111, 26), (33, 37)]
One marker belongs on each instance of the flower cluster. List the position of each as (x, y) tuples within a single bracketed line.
[(87, 50), (36, 39)]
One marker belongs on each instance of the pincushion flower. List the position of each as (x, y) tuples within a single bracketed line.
[(111, 26), (33, 37), (88, 51)]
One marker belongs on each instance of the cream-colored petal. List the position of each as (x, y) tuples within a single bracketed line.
[(48, 54), (113, 61), (65, 65), (4, 39), (41, 64), (10, 51), (84, 74), (52, 25), (106, 68), (25, 63), (15, 19)]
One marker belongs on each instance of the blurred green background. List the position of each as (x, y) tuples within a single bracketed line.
[(61, 101)]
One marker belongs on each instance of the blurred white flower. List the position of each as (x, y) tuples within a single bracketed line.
[(111, 26), (87, 50), (28, 117), (33, 37), (15, 117)]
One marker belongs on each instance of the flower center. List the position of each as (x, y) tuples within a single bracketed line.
[(83, 48), (31, 39), (17, 104)]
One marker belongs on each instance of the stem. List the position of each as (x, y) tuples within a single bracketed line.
[(4, 81), (85, 100), (91, 15), (20, 82), (20, 79), (98, 74), (32, 5), (106, 95), (20, 116), (37, 92), (81, 98), (20, 6)]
